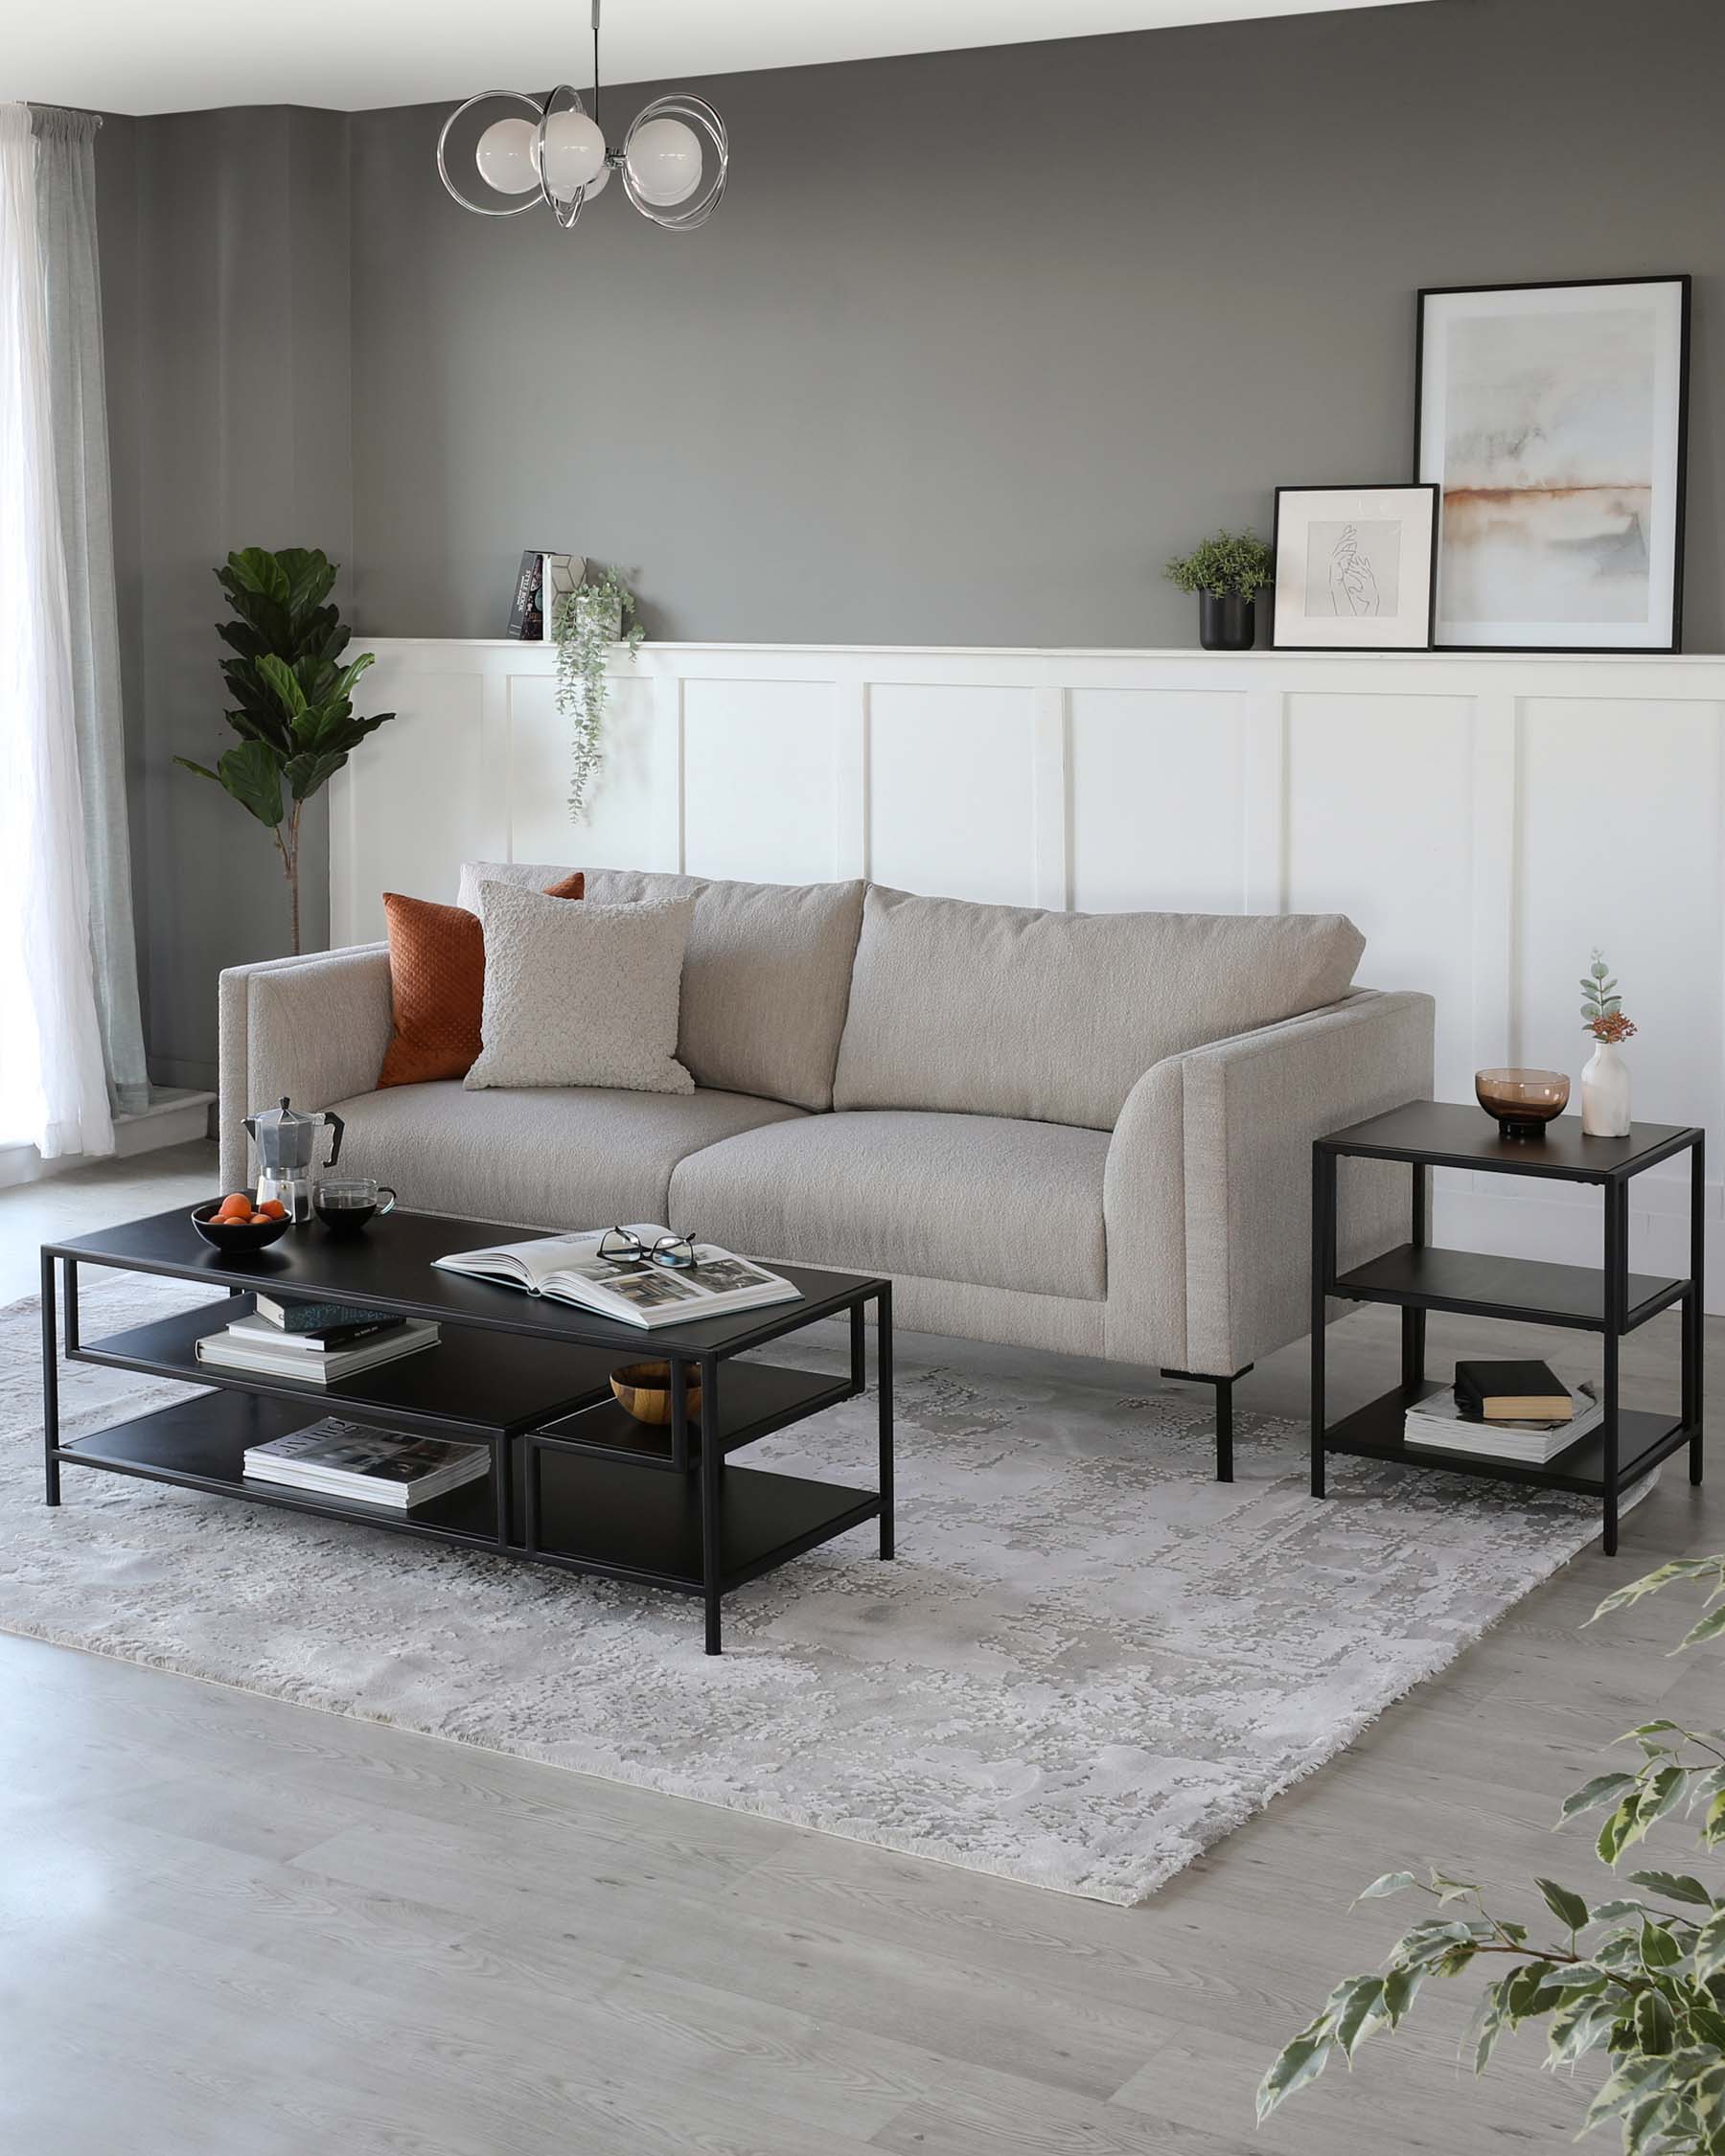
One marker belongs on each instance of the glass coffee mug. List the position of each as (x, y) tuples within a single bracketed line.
[(346, 1205)]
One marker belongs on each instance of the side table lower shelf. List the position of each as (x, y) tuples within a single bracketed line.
[(1374, 1431)]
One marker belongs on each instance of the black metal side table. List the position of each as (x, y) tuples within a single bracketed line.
[(1415, 1277)]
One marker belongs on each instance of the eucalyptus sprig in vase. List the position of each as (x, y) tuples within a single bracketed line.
[(1605, 1079)]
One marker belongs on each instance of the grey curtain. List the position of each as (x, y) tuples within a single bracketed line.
[(66, 215)]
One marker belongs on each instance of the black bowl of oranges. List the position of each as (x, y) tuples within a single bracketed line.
[(235, 1226)]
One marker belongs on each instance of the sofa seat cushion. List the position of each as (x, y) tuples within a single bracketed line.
[(765, 976), (551, 1157), (1004, 1010), (971, 1198)]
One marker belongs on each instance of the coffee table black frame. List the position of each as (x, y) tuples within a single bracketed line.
[(1608, 1300), (574, 1481)]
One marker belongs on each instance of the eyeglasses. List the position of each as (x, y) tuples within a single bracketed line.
[(622, 1246)]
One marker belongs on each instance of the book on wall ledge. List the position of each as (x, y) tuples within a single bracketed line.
[(568, 1268)]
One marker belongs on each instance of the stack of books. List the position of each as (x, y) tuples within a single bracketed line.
[(313, 1342), (1518, 1412), (366, 1466)]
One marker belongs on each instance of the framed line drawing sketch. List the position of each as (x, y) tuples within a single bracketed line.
[(1354, 569), (1555, 419)]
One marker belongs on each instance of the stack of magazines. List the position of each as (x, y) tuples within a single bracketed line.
[(1450, 1422), (312, 1342), (367, 1466)]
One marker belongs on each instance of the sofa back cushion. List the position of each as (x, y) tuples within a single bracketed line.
[(765, 976), (1002, 1010)]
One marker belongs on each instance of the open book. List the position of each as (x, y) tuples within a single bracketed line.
[(568, 1268)]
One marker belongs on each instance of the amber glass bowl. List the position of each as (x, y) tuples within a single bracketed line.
[(1522, 1101)]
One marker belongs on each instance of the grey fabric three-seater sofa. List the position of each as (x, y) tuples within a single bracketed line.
[(1090, 1133)]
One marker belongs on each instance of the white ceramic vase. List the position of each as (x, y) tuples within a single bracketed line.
[(1606, 1092)]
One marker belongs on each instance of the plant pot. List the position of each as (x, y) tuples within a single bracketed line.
[(1606, 1092), (1226, 622)]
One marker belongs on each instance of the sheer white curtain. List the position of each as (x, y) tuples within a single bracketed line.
[(53, 1087)]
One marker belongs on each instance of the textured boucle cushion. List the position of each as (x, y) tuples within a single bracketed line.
[(765, 976), (437, 986), (581, 995), (1001, 1010)]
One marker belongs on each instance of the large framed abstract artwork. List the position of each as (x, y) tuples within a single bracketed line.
[(1553, 418)]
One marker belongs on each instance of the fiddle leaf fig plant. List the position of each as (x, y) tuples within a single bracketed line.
[(1639, 1979), (293, 701), (584, 624)]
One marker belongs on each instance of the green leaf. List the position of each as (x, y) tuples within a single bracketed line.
[(255, 569), (1300, 2062), (1710, 1949), (1655, 2025), (1490, 2019), (1661, 1796), (282, 679), (1452, 1890), (307, 774), (1675, 1886), (1390, 1883), (1567, 1908), (1603, 1789), (1362, 2012), (1619, 1825), (1659, 1950), (1709, 1628), (1401, 1987), (203, 771), (253, 775), (1650, 1583)]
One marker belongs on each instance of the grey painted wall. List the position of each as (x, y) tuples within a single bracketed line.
[(976, 341), (224, 240)]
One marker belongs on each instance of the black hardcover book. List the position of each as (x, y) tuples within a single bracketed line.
[(527, 615), (1526, 1392)]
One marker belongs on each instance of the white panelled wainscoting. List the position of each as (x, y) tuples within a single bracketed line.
[(1484, 820)]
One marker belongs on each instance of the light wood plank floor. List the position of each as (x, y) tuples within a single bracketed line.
[(230, 1927)]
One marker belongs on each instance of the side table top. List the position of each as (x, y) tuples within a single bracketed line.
[(1450, 1134)]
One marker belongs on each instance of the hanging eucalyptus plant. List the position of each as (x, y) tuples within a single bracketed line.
[(584, 624)]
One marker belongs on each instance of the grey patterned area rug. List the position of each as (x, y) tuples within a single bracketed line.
[(1088, 1662)]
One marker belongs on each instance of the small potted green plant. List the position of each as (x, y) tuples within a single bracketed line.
[(1226, 571)]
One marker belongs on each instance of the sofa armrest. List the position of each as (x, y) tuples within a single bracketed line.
[(1208, 1190), (314, 1028)]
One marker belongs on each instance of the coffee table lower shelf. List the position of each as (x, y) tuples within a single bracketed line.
[(594, 1514)]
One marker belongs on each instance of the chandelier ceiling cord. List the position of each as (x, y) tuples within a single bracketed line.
[(672, 162)]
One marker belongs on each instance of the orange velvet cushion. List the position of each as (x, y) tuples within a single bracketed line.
[(437, 980)]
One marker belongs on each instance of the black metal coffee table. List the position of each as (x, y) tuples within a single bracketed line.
[(574, 1481), (1603, 1298)]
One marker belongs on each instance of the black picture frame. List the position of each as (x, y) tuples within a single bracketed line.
[(1684, 282), (1368, 487)]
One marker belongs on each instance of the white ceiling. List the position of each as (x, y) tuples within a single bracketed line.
[(178, 56)]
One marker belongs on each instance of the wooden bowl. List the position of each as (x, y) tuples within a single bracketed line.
[(236, 1237), (643, 1389)]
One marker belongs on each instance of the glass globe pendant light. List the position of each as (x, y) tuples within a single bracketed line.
[(674, 160)]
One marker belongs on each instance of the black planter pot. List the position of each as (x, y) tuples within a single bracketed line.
[(1226, 622)]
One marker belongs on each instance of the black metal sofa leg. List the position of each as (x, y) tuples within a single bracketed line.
[(1224, 1412)]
